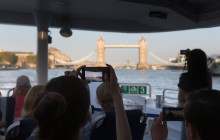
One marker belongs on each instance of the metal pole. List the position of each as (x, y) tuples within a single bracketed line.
[(42, 57)]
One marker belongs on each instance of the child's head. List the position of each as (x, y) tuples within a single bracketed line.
[(67, 110)]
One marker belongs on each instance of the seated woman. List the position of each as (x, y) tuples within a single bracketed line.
[(20, 91), (27, 116), (62, 110), (197, 77)]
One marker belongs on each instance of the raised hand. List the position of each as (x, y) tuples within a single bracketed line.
[(112, 83), (75, 73), (159, 129), (122, 126)]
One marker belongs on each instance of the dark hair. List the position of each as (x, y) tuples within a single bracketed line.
[(197, 68), (202, 109), (55, 121)]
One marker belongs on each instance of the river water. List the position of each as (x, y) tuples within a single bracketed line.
[(159, 79)]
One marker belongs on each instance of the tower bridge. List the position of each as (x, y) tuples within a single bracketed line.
[(142, 46), (101, 46)]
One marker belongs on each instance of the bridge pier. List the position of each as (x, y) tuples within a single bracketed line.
[(100, 52), (142, 65)]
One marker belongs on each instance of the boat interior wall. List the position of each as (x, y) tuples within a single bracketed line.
[(116, 15)]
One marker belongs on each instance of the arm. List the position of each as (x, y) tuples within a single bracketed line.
[(3, 123), (181, 95), (159, 131), (122, 126), (75, 73)]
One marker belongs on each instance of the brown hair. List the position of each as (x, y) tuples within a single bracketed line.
[(202, 109), (59, 124), (27, 110)]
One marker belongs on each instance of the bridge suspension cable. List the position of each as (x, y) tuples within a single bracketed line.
[(94, 52), (162, 60), (76, 61)]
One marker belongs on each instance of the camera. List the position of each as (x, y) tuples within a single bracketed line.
[(173, 114), (95, 74), (185, 52)]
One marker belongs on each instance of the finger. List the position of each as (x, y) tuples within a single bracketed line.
[(154, 120), (113, 76), (67, 73), (165, 124), (106, 78), (112, 71), (160, 117), (79, 69), (80, 74)]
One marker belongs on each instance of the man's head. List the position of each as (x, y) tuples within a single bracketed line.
[(202, 114)]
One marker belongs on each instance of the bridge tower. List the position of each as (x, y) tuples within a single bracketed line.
[(142, 65), (100, 52)]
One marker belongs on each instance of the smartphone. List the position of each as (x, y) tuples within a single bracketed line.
[(185, 52), (95, 74), (173, 114)]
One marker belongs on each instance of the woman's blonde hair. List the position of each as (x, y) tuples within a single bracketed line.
[(21, 89), (33, 93)]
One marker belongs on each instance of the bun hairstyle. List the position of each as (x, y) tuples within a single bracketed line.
[(62, 109), (50, 108)]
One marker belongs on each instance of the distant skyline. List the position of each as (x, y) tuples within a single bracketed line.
[(81, 43)]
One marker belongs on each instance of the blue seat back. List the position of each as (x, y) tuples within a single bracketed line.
[(107, 130), (21, 130), (7, 106)]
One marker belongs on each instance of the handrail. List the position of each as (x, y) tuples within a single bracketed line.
[(8, 89), (12, 89), (149, 89), (164, 91)]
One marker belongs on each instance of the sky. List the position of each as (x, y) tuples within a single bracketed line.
[(165, 45)]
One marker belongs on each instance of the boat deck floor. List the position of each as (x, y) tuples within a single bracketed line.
[(147, 136)]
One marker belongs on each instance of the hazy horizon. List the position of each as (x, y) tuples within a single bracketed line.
[(165, 44)]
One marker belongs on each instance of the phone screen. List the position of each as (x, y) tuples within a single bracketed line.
[(173, 114), (95, 74)]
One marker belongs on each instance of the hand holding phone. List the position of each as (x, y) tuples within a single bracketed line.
[(173, 114), (75, 73)]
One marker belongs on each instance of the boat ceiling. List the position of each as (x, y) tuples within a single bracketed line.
[(116, 15)]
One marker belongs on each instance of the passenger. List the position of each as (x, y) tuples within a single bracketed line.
[(104, 98), (33, 93), (196, 78), (20, 91), (197, 75), (201, 114), (27, 116), (61, 118)]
